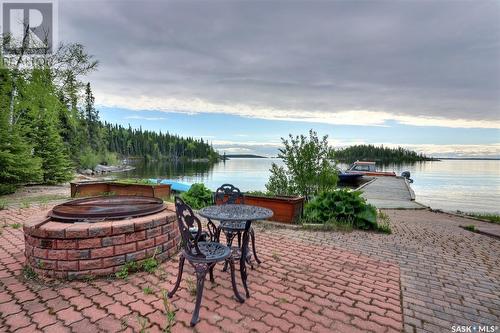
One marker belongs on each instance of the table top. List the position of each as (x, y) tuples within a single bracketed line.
[(236, 212)]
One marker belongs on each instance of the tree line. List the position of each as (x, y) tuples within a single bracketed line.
[(49, 125), (379, 154)]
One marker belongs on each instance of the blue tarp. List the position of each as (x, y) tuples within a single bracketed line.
[(174, 185)]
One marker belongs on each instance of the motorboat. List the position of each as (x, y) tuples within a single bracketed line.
[(350, 178), (367, 168)]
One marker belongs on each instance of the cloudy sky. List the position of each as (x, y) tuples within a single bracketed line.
[(241, 74)]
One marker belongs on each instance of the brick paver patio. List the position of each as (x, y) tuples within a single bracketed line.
[(427, 276)]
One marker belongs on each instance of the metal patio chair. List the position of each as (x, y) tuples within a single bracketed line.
[(203, 256), (230, 194)]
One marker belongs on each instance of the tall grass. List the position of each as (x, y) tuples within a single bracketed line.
[(494, 218)]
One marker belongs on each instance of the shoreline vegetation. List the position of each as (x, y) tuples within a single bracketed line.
[(50, 128), (487, 217), (228, 156), (379, 154)]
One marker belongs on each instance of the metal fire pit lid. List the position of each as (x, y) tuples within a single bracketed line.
[(106, 208)]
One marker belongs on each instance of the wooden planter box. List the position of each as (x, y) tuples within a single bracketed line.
[(286, 209), (85, 189)]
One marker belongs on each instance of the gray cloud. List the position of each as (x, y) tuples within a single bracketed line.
[(419, 58)]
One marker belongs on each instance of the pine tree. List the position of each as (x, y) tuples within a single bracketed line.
[(92, 120), (42, 108), (17, 163), (50, 148)]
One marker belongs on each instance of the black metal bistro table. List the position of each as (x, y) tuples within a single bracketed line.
[(245, 214)]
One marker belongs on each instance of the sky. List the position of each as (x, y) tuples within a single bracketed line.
[(242, 74)]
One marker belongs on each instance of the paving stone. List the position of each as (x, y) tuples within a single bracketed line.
[(69, 316), (44, 318), (308, 282)]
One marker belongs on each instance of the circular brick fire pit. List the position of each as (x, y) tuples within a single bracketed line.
[(90, 248)]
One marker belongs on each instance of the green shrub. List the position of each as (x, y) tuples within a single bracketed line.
[(198, 196), (308, 169), (341, 206), (108, 158), (7, 188), (259, 193), (88, 159)]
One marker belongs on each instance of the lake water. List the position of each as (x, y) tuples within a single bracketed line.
[(466, 185)]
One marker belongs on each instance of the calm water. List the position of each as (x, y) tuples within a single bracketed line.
[(448, 184)]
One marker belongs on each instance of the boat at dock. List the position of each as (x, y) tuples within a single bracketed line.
[(350, 178), (367, 168)]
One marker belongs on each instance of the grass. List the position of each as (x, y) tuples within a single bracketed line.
[(162, 274), (329, 226), (16, 225), (169, 312), (151, 264), (383, 223), (347, 226), (493, 218), (129, 267), (26, 202), (191, 286), (470, 227), (135, 181), (29, 273), (148, 265), (147, 290), (143, 323)]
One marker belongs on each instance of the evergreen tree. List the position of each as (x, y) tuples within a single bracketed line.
[(92, 120), (50, 148), (73, 127), (41, 107), (379, 154), (17, 163)]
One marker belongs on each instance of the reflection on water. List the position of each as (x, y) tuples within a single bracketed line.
[(246, 173), (448, 184)]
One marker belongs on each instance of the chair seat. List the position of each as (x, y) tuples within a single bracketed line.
[(213, 252)]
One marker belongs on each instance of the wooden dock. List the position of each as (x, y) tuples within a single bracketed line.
[(391, 193)]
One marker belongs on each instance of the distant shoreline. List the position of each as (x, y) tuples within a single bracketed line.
[(470, 158), (243, 156)]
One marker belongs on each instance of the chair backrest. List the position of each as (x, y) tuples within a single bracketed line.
[(228, 194), (186, 221)]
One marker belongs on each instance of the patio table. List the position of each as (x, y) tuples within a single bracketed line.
[(239, 217)]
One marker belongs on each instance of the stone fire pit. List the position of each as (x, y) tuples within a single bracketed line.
[(90, 237)]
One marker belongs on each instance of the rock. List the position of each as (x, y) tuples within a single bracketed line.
[(86, 172), (99, 169)]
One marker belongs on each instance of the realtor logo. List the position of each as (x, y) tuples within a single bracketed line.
[(28, 26)]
